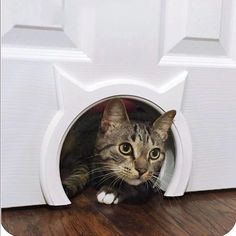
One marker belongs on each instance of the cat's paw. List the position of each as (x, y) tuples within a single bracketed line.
[(107, 197)]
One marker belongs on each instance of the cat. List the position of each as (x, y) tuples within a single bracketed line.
[(127, 156)]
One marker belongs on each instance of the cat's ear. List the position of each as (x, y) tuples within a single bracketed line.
[(163, 124), (114, 115)]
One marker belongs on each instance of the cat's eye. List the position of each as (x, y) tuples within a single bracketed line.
[(126, 148), (154, 153)]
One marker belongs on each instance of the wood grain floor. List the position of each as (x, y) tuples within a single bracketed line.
[(203, 213)]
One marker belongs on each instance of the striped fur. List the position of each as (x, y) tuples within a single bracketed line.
[(77, 180)]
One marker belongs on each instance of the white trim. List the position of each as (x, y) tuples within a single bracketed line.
[(183, 161), (46, 54)]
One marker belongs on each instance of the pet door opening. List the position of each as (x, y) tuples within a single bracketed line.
[(81, 137)]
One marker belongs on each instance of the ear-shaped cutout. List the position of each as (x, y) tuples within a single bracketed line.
[(163, 124), (114, 115)]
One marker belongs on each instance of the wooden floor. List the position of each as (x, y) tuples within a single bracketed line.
[(203, 213)]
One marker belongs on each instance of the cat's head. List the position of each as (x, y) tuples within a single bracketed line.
[(133, 152)]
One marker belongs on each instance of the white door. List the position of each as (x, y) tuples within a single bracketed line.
[(187, 45)]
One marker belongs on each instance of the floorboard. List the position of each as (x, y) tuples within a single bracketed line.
[(203, 213)]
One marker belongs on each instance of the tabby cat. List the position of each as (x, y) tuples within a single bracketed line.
[(126, 159)]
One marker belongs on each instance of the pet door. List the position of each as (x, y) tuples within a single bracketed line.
[(78, 101)]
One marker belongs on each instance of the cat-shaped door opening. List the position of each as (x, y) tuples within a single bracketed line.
[(76, 98), (175, 171), (78, 150)]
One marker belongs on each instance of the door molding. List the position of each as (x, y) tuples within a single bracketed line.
[(70, 93)]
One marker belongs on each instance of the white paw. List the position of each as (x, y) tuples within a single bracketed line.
[(107, 198)]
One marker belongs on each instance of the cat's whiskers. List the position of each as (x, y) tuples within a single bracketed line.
[(114, 182), (103, 166), (105, 178), (146, 185), (121, 182), (156, 181), (110, 170), (87, 157), (95, 171)]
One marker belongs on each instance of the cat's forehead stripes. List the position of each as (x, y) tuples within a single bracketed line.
[(141, 134), (135, 128)]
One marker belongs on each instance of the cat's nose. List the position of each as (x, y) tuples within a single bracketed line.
[(141, 171)]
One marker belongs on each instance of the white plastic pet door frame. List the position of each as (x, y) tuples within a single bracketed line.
[(74, 98)]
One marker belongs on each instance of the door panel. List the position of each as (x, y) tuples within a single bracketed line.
[(96, 43), (199, 28), (41, 13)]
